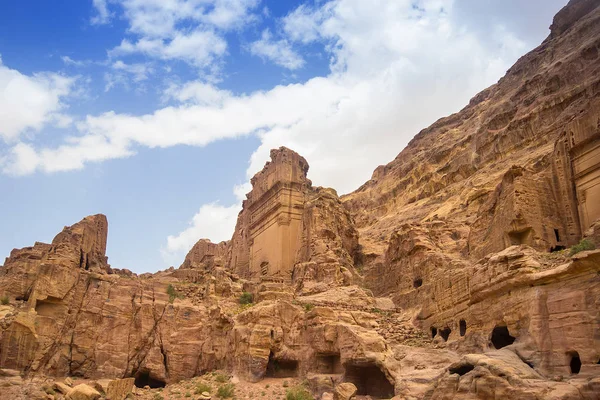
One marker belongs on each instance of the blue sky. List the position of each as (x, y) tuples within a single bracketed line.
[(157, 112)]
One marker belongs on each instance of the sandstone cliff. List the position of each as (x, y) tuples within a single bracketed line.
[(463, 269)]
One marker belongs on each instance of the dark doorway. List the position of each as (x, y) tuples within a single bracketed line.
[(417, 283), (143, 378), (574, 362), (369, 380), (433, 331), (445, 333), (277, 368), (329, 364), (462, 369), (501, 337), (462, 325), (557, 235)]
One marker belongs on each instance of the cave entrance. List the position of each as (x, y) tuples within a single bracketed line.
[(433, 331), (521, 237), (462, 369), (501, 337), (417, 283), (369, 380), (574, 362), (329, 363), (462, 325), (445, 333), (277, 368), (143, 378)]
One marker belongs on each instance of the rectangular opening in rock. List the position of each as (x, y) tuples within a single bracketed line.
[(329, 364), (521, 237), (369, 380), (280, 368), (50, 307)]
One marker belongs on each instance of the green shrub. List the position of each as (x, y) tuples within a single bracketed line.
[(203, 387), (308, 307), (173, 294), (226, 391), (246, 298), (221, 378), (584, 244), (298, 393), (158, 396), (4, 300)]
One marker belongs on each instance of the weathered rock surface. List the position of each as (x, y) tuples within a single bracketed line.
[(447, 276)]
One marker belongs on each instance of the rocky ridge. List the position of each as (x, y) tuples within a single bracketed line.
[(454, 273)]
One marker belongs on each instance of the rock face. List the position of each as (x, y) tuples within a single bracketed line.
[(290, 232), (457, 272)]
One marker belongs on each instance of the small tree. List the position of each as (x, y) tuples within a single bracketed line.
[(246, 298)]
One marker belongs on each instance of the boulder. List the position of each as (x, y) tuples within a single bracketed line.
[(118, 389), (83, 392), (345, 391)]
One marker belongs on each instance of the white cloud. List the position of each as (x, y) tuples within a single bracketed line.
[(212, 220), (103, 16), (30, 102), (280, 52), (139, 71), (396, 66), (303, 24), (122, 73), (158, 25), (69, 61), (198, 48), (199, 93)]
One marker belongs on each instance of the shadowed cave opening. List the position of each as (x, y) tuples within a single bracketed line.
[(417, 283), (521, 237), (143, 378), (462, 327), (445, 333), (277, 368), (329, 363), (369, 380), (574, 362), (501, 337), (462, 369), (433, 331)]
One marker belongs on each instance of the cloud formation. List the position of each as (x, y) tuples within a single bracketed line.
[(395, 67), (212, 220), (279, 52), (28, 103)]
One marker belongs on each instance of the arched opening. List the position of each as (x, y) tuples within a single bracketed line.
[(574, 362), (462, 325), (369, 380), (445, 333), (417, 283), (278, 368), (556, 248), (433, 331), (462, 369), (501, 337), (143, 379)]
